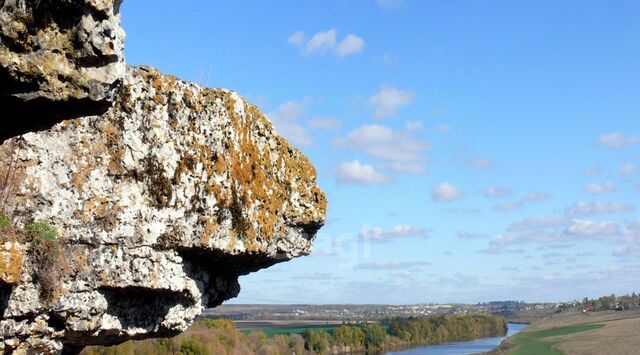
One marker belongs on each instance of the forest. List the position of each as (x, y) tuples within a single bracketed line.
[(219, 336)]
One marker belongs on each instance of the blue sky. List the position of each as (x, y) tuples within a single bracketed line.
[(470, 150)]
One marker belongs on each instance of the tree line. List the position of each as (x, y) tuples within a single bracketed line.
[(611, 302), (220, 337)]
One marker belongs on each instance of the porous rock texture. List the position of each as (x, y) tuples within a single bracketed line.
[(160, 204), (58, 59)]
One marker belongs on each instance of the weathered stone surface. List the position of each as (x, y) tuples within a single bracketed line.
[(59, 59), (160, 204)]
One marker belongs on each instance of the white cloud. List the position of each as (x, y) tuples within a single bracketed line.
[(285, 119), (600, 189), (389, 100), (327, 41), (390, 4), (289, 111), (496, 192), (398, 149), (598, 207), (377, 234), (617, 140), (324, 123), (547, 232), (360, 174), (321, 42), (593, 229), (297, 38), (446, 192), (351, 44), (471, 235), (628, 169)]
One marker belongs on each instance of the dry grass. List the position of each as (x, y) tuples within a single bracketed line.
[(620, 334)]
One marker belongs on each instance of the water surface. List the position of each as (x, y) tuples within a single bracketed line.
[(462, 348)]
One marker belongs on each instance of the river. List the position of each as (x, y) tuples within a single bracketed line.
[(461, 348)]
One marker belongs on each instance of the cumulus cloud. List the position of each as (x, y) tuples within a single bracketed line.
[(327, 41), (471, 235), (572, 230), (618, 140), (398, 149), (297, 38), (585, 228), (389, 100), (354, 172), (351, 44), (327, 124), (286, 120), (377, 234), (496, 192), (600, 189), (446, 192), (321, 42), (598, 207)]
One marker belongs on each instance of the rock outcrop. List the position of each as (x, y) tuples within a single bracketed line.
[(148, 199), (58, 59)]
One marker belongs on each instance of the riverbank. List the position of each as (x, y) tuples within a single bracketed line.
[(220, 336), (576, 332), (460, 348)]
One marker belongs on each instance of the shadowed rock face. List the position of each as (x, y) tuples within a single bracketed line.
[(160, 204), (59, 59)]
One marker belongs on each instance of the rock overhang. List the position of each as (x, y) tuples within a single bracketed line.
[(162, 192)]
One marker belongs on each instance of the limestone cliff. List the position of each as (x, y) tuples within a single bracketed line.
[(144, 214)]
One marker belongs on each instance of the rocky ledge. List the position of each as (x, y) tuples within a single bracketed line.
[(126, 223)]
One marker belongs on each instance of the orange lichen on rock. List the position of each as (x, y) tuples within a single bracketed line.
[(11, 262)]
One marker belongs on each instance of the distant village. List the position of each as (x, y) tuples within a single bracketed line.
[(358, 313)]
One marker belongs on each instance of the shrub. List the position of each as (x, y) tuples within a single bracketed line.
[(46, 253), (39, 232), (193, 346), (375, 335), (218, 323)]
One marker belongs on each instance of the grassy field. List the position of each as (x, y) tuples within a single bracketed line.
[(575, 332), (536, 343), (273, 331)]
